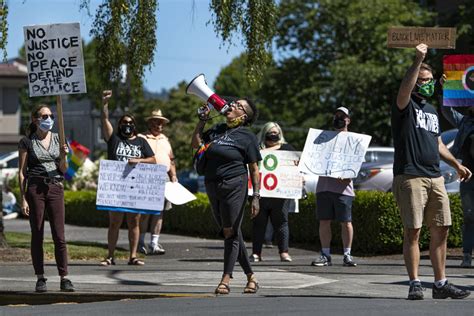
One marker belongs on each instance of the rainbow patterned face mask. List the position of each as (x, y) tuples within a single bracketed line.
[(426, 89)]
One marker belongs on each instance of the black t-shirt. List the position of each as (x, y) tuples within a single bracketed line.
[(467, 152), (123, 149), (286, 146), (415, 132), (230, 151), (41, 162)]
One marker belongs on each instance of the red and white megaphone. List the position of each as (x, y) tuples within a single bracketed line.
[(199, 88)]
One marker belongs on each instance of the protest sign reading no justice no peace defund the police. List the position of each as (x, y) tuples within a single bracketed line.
[(54, 59)]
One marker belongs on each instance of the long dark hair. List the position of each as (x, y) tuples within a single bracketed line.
[(31, 129)]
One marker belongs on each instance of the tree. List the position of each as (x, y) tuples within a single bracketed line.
[(337, 55)]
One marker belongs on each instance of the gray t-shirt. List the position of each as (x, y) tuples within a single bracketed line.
[(42, 162)]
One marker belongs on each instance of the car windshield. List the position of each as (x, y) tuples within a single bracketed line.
[(379, 156)]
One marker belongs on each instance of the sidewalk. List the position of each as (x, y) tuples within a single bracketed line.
[(193, 266)]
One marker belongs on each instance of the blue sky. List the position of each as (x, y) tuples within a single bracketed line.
[(186, 45)]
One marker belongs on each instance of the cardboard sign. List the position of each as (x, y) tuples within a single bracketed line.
[(130, 188), (279, 175), (333, 154), (434, 37), (54, 59)]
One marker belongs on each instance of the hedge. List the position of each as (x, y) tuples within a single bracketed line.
[(376, 221)]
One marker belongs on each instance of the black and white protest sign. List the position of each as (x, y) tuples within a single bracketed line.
[(124, 187), (54, 59), (333, 154)]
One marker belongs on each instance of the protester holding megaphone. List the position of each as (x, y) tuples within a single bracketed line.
[(198, 87), (230, 150)]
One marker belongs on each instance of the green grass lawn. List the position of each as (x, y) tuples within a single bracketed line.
[(77, 250)]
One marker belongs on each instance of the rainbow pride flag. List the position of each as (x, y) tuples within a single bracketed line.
[(76, 157), (458, 90)]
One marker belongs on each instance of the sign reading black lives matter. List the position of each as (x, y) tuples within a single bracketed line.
[(333, 154), (54, 59)]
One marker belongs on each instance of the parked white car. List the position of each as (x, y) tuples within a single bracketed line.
[(8, 165)]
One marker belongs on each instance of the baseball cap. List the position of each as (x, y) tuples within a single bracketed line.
[(343, 109)]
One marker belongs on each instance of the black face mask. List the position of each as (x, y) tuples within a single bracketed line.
[(127, 129), (272, 137), (339, 123)]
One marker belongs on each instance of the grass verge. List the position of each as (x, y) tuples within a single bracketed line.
[(77, 250)]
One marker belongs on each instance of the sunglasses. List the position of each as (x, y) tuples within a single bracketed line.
[(239, 107), (45, 116)]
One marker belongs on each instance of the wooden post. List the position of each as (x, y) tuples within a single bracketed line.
[(59, 109)]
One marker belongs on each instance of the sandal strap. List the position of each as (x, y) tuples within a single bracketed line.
[(222, 286)]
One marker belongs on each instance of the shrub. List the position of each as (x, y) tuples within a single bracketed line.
[(377, 225)]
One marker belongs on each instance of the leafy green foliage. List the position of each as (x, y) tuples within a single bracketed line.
[(335, 54), (376, 220), (256, 21), (3, 28)]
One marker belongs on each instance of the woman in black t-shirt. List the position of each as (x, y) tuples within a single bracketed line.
[(276, 209), (123, 146), (231, 147), (42, 163)]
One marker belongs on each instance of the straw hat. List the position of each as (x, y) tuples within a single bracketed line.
[(156, 114)]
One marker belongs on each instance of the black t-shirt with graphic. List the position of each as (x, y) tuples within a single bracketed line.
[(230, 151), (41, 162), (415, 131), (123, 149)]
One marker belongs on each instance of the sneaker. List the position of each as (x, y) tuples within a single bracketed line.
[(322, 261), (285, 258), (255, 258), (449, 290), (348, 262), (416, 291), (466, 260), (41, 285), (12, 215), (157, 249), (268, 245), (142, 249), (66, 285)]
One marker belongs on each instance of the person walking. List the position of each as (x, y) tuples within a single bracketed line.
[(161, 146), (232, 151), (334, 199), (272, 209), (124, 145), (418, 186), (42, 164)]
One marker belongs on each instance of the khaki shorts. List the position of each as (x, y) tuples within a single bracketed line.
[(422, 200)]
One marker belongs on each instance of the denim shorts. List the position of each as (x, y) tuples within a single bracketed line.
[(334, 206)]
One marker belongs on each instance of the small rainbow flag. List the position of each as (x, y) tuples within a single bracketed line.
[(458, 90), (76, 157)]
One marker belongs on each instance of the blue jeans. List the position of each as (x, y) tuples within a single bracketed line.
[(467, 201)]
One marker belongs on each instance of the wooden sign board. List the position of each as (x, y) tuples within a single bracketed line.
[(434, 37)]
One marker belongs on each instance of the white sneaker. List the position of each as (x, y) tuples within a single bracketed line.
[(157, 249), (12, 215), (142, 249)]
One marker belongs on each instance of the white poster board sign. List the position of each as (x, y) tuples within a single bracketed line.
[(54, 59), (124, 187), (333, 154), (279, 175)]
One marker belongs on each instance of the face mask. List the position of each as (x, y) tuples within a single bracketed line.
[(272, 137), (426, 89), (46, 125), (127, 129), (236, 122), (339, 123)]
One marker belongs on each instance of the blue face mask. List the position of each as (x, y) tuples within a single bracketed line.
[(46, 125)]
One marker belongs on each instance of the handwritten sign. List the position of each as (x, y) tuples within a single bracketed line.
[(279, 175), (130, 188), (434, 37), (54, 59), (333, 154)]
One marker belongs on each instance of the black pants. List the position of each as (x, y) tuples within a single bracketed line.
[(273, 208), (47, 198), (228, 198)]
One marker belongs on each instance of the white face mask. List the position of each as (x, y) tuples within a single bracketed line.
[(46, 125)]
